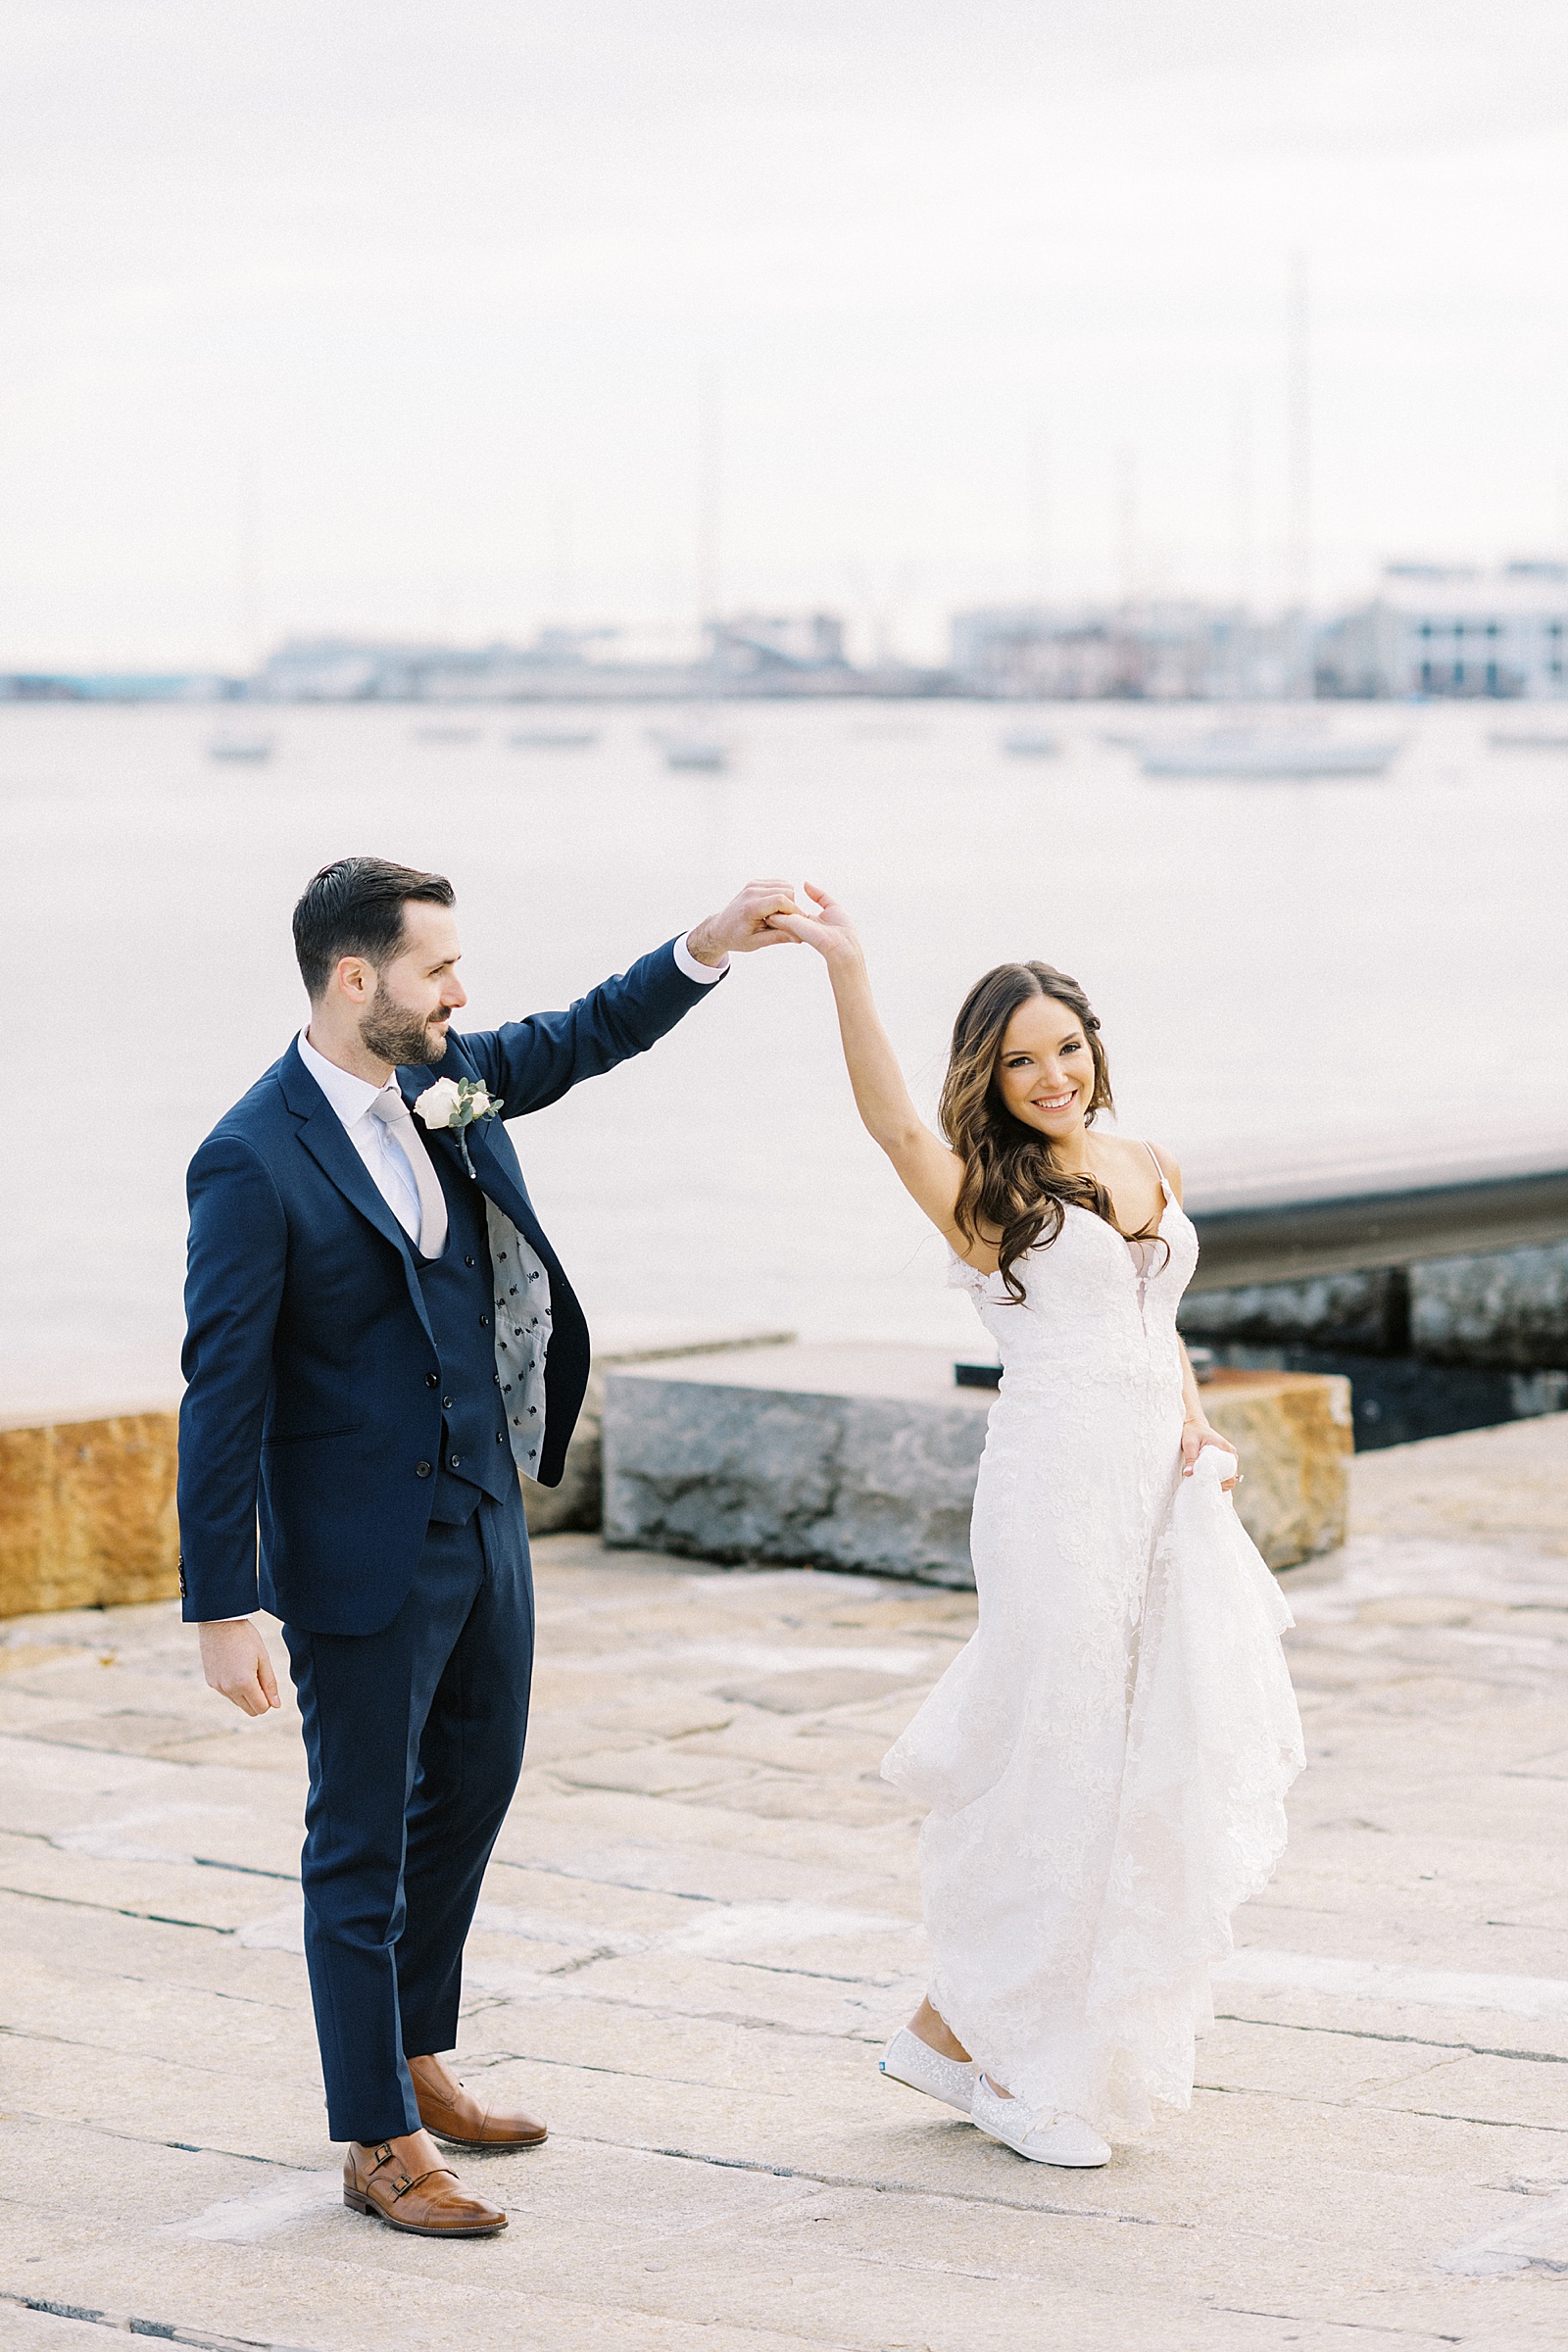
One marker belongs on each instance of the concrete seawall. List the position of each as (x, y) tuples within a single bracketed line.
[(1507, 1310)]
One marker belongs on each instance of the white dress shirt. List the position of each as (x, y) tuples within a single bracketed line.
[(350, 1097)]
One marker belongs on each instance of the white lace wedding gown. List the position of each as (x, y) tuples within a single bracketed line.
[(1105, 1761)]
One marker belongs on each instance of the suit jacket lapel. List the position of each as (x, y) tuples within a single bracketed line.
[(494, 1179), (499, 1186), (490, 1175), (324, 1137)]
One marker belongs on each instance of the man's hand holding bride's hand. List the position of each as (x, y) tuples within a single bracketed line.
[(829, 930), (744, 924), (1196, 1435)]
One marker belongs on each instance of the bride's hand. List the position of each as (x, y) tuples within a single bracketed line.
[(1196, 1435), (829, 930)]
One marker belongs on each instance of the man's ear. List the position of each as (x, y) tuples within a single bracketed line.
[(356, 979)]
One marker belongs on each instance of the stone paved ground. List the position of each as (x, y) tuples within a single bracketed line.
[(699, 1927)]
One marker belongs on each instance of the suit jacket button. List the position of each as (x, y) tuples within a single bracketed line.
[(432, 1380), (421, 1469), (453, 1461), (446, 1404)]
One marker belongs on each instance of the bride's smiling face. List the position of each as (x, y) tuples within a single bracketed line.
[(1045, 1070)]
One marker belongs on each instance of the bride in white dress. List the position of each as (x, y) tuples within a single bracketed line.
[(1105, 1761)]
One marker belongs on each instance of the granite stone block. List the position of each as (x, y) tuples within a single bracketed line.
[(576, 1507), (865, 1457)]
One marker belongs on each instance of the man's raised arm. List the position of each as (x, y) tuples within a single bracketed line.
[(532, 1063)]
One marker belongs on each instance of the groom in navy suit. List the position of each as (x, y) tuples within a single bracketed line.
[(379, 1339)]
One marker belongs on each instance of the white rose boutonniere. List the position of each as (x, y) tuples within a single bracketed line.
[(455, 1103)]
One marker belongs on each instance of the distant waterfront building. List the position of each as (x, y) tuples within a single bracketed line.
[(1453, 630), (1173, 650), (115, 686), (559, 664), (771, 648), (750, 654)]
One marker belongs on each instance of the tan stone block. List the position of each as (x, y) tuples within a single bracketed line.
[(87, 1512), (1293, 1433)]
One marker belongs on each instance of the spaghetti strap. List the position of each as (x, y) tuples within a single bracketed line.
[(1164, 1184)]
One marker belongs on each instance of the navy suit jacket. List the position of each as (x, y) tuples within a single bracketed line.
[(313, 1388)]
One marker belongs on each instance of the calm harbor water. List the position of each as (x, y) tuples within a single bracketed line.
[(1295, 980)]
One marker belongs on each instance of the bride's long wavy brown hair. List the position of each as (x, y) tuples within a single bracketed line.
[(1010, 1182)]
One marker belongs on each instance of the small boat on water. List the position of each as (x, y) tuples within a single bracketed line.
[(1529, 739), (235, 742), (446, 731), (553, 739), (1028, 743), (692, 748), (1261, 755)]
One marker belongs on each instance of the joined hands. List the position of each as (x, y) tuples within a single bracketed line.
[(828, 929), (746, 923)]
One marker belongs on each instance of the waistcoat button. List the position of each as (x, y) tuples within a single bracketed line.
[(468, 1261), (454, 1461), (432, 1380), (484, 1322), (421, 1469), (446, 1404)]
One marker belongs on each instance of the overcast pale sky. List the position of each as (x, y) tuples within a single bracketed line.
[(404, 316)]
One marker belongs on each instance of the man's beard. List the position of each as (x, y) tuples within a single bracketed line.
[(394, 1034)]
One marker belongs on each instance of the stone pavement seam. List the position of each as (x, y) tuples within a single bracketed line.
[(244, 1870), (153, 2139), (878, 2187), (1472, 2050), (127, 2325), (1424, 2335), (96, 2049), (486, 2004), (77, 1902), (1431, 2115)]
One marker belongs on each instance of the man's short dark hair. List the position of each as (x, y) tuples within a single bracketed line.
[(355, 908)]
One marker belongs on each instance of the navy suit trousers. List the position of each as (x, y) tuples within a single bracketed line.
[(413, 1736)]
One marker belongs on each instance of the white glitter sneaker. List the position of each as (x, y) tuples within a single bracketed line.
[(908, 2059), (1065, 2139)]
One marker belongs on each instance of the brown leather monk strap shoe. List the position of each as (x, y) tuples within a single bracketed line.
[(456, 2116), (430, 2204)]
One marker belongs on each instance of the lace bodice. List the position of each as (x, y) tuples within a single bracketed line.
[(1092, 1297)]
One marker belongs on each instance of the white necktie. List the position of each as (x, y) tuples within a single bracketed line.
[(398, 1121)]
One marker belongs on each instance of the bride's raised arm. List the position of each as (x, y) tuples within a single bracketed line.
[(926, 1167)]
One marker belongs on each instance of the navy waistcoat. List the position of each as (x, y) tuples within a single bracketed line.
[(459, 1298)]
